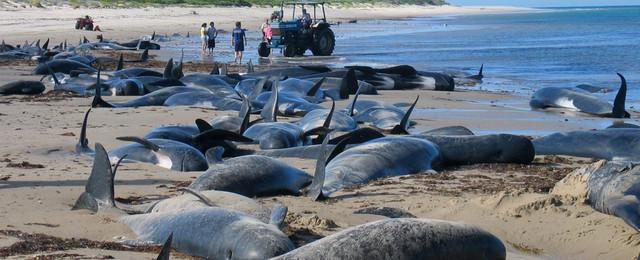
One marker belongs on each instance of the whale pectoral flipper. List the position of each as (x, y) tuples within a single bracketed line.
[(220, 134), (278, 214), (166, 249), (315, 188), (141, 141), (199, 195), (144, 56)]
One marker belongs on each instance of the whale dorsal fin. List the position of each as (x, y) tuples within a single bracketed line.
[(250, 68), (323, 130), (258, 87), (404, 123), (99, 190), (120, 63), (349, 84), (353, 103), (97, 98), (278, 215), (481, 69), (215, 70), (313, 90), (270, 110), (619, 102), (168, 69), (83, 143), (45, 46), (204, 199), (144, 142), (246, 106), (315, 188), (214, 155), (165, 252), (203, 125), (153, 35), (144, 56)]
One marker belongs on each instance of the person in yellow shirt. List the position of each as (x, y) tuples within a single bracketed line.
[(203, 37)]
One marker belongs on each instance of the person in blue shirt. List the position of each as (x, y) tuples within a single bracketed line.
[(238, 39)]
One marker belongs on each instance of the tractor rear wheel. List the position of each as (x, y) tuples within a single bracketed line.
[(263, 50), (290, 50), (78, 25), (300, 51), (324, 41)]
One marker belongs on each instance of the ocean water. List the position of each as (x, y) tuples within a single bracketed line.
[(521, 51)]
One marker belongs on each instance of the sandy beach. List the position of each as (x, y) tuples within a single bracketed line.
[(41, 176), (19, 23)]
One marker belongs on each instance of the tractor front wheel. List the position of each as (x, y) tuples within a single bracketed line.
[(324, 41), (263, 50), (78, 25), (290, 50)]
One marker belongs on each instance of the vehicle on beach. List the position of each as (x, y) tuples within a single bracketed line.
[(85, 23), (295, 38)]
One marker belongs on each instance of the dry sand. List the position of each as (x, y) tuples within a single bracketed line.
[(513, 202), (19, 24)]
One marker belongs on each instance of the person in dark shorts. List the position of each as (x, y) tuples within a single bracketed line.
[(238, 40), (212, 34)]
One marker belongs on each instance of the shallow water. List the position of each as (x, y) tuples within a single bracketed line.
[(521, 51)]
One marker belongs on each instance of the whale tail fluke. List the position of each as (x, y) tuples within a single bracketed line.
[(315, 188), (166, 247), (619, 102), (403, 127), (99, 191), (83, 143)]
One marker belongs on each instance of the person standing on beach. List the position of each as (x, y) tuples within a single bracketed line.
[(203, 37), (212, 33), (238, 40), (267, 31)]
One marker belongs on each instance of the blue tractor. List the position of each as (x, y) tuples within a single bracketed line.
[(305, 32)]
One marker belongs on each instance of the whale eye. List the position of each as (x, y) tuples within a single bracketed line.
[(229, 254)]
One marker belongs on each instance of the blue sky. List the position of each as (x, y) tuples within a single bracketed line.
[(544, 3)]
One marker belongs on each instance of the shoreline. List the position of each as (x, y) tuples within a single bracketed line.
[(131, 23)]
